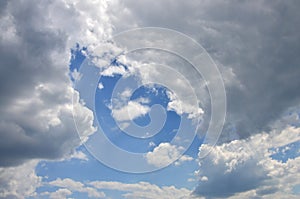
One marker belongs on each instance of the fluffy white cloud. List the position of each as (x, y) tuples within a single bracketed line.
[(184, 158), (245, 168), (148, 69), (180, 107), (144, 190), (76, 186), (60, 193), (153, 66), (165, 154), (135, 190), (35, 53), (20, 181), (36, 120), (113, 70), (79, 155), (131, 111)]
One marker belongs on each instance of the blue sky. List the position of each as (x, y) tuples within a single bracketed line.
[(90, 169), (149, 99), (156, 94)]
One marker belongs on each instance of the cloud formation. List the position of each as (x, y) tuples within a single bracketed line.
[(247, 167), (36, 105), (96, 189), (74, 186), (254, 44), (144, 190), (20, 181), (165, 154)]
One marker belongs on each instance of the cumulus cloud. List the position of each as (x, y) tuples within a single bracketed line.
[(20, 181), (60, 193), (144, 190), (24, 138), (180, 107), (255, 44), (36, 120), (152, 67), (112, 70), (36, 108), (165, 154), (76, 186), (97, 189), (131, 111), (244, 167)]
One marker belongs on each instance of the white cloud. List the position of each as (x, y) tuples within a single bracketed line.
[(37, 55), (135, 190), (76, 186), (36, 120), (79, 155), (123, 109), (250, 31), (165, 154), (180, 107), (60, 193), (149, 70), (182, 159), (131, 111), (125, 95), (113, 70), (144, 190), (288, 135), (20, 181), (241, 38), (100, 86), (103, 53), (142, 100), (246, 167)]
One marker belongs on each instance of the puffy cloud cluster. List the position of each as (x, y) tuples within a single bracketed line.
[(144, 190), (37, 98), (255, 44), (20, 181), (165, 154), (36, 105), (70, 186), (96, 189), (245, 168)]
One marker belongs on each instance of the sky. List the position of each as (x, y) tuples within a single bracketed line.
[(149, 99)]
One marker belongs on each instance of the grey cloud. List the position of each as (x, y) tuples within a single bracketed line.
[(221, 184), (267, 191), (36, 118), (256, 45), (245, 168), (257, 40)]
